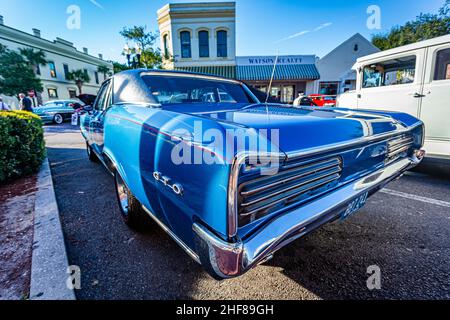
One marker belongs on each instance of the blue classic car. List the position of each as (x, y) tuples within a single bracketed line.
[(57, 111), (230, 179)]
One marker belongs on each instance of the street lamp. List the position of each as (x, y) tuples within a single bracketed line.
[(138, 55), (127, 51)]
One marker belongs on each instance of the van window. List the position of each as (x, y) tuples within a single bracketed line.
[(442, 69), (388, 73)]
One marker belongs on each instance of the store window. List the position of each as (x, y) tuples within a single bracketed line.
[(388, 73), (97, 81), (185, 44), (442, 69), (222, 44), (203, 43), (52, 67), (329, 88), (52, 93)]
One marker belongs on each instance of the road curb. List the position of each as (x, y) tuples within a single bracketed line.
[(49, 262)]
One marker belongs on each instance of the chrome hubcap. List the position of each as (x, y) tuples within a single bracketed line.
[(58, 119), (122, 191)]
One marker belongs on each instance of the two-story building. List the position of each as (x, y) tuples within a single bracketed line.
[(201, 37), (62, 58)]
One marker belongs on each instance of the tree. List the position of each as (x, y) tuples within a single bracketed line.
[(104, 70), (119, 67), (425, 26), (151, 56), (16, 74), (34, 58), (80, 77)]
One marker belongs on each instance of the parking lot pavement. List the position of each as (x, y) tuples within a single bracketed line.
[(405, 231)]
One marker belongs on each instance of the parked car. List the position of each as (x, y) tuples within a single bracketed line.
[(414, 79), (57, 111), (234, 213), (322, 100)]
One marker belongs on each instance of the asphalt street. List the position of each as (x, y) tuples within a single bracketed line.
[(404, 230)]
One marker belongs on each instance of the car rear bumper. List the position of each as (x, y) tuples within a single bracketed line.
[(227, 260)]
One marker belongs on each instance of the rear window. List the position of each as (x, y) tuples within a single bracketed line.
[(169, 90)]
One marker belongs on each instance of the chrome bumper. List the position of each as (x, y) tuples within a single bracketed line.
[(225, 260)]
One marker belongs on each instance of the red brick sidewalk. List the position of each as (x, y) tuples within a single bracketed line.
[(17, 200)]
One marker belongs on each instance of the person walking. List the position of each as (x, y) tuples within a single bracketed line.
[(4, 106), (25, 103)]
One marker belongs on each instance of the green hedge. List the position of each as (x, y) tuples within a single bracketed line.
[(22, 146)]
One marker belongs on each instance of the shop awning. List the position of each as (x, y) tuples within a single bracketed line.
[(282, 72), (220, 71)]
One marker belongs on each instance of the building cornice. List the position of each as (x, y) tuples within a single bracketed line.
[(57, 47)]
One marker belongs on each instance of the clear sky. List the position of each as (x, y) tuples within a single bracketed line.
[(263, 26)]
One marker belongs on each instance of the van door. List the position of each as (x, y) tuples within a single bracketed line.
[(392, 83), (435, 108)]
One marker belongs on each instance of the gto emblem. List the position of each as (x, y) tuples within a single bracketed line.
[(176, 188)]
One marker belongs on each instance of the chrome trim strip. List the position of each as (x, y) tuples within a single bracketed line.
[(276, 183), (298, 185), (188, 250), (354, 142), (296, 194)]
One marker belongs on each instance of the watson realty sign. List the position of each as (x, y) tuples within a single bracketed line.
[(270, 60)]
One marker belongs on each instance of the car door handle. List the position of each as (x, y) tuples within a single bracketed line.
[(418, 95)]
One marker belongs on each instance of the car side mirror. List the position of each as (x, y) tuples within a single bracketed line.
[(88, 109)]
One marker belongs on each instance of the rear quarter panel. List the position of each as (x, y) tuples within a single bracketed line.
[(140, 141)]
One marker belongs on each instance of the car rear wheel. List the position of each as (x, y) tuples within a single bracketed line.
[(130, 208), (58, 119), (91, 154)]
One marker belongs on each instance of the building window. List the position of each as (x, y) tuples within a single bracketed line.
[(38, 70), (72, 93), (86, 73), (166, 48), (391, 72), (356, 48), (203, 43), (222, 47), (329, 88), (442, 69), (52, 67), (66, 71), (185, 44), (52, 93), (96, 78)]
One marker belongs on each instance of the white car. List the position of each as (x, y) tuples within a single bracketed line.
[(414, 79)]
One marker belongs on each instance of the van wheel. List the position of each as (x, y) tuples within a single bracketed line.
[(91, 154), (130, 208), (58, 119)]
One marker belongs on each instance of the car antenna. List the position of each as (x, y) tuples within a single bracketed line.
[(273, 75)]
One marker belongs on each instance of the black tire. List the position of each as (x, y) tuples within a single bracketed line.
[(91, 154), (58, 119), (130, 208)]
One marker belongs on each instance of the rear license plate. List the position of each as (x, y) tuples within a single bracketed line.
[(355, 206)]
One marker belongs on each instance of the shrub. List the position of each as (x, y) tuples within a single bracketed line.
[(22, 146)]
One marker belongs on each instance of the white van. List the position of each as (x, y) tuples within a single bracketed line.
[(414, 79)]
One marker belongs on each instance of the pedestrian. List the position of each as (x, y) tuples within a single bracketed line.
[(298, 101), (4, 106), (25, 103), (33, 98)]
